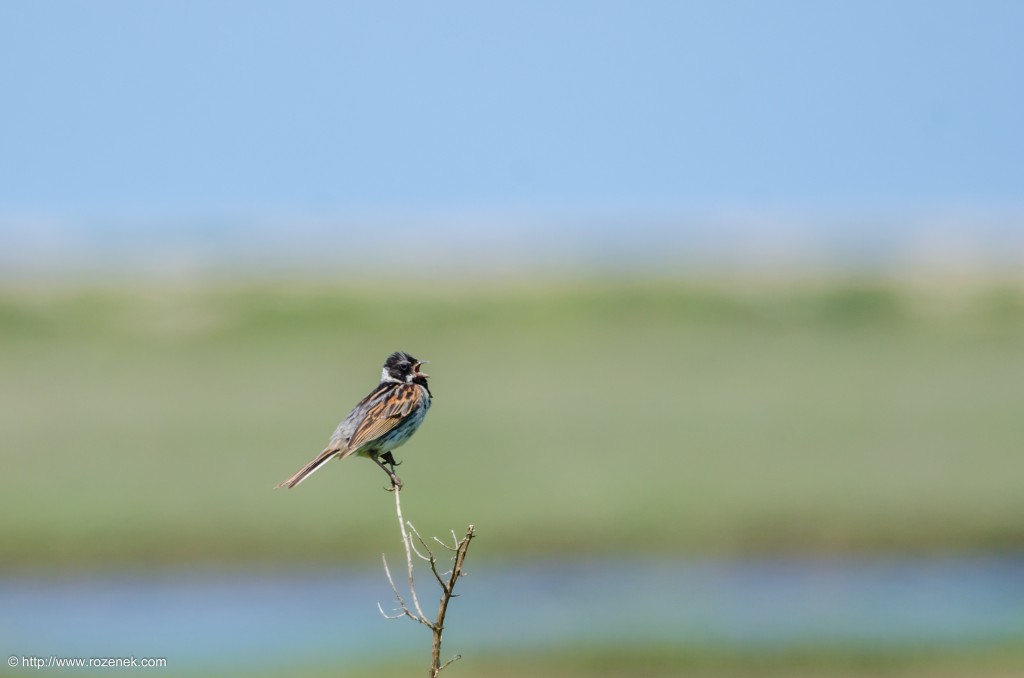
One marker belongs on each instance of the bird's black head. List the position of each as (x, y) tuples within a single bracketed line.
[(401, 366)]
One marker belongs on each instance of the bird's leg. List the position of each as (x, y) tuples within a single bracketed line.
[(396, 482)]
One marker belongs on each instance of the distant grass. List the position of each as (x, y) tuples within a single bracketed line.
[(667, 662), (149, 424), (710, 663)]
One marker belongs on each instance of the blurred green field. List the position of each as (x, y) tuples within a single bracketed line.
[(670, 662), (149, 424), (663, 662)]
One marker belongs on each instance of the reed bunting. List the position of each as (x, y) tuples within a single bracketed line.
[(382, 421)]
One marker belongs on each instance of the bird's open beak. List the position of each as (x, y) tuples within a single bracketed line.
[(419, 365)]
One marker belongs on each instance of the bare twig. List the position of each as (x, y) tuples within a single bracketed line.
[(408, 554), (403, 610), (450, 661), (447, 586)]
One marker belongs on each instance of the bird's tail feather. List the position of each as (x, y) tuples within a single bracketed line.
[(309, 468)]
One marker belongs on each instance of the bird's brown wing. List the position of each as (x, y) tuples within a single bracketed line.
[(384, 416)]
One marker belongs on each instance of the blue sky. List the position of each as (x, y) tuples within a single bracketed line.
[(194, 133), (241, 109)]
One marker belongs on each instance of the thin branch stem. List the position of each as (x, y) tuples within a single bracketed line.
[(403, 608), (450, 661), (461, 546), (408, 555), (449, 592)]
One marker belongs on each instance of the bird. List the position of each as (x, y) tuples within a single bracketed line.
[(385, 419)]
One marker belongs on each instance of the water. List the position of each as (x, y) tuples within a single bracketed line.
[(299, 617)]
